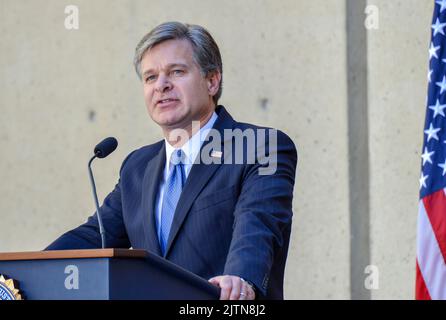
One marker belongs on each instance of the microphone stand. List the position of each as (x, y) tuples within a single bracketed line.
[(93, 185)]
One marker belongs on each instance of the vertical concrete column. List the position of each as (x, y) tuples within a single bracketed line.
[(358, 147)]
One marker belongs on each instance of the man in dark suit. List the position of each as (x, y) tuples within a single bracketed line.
[(198, 198)]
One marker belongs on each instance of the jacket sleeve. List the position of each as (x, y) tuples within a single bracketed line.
[(263, 215)]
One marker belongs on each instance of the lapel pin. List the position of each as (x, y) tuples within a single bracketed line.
[(216, 154)]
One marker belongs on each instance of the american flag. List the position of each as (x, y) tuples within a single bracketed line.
[(431, 232)]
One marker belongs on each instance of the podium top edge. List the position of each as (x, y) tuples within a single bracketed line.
[(73, 254)]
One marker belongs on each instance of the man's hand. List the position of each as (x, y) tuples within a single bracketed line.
[(233, 288)]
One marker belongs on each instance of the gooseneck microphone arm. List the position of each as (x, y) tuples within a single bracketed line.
[(95, 196), (103, 149)]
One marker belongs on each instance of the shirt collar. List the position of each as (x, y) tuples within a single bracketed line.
[(192, 147)]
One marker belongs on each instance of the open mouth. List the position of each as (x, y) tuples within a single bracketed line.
[(165, 102)]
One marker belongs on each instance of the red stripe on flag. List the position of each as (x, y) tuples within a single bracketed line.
[(421, 292), (435, 205)]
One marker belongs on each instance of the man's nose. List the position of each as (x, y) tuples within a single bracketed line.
[(163, 84)]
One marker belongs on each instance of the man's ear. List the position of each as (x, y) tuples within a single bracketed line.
[(213, 82)]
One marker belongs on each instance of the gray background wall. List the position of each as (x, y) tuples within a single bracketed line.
[(352, 99)]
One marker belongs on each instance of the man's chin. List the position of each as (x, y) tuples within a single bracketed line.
[(172, 123)]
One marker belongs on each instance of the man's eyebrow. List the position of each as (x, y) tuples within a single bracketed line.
[(169, 66), (173, 65)]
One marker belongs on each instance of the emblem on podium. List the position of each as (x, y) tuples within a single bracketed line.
[(9, 289)]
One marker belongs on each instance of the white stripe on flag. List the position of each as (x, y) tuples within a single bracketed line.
[(430, 259)]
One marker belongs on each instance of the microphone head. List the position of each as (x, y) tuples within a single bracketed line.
[(105, 147)]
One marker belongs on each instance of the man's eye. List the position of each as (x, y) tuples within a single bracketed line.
[(149, 78), (178, 72)]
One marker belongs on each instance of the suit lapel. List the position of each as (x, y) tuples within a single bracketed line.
[(199, 175), (150, 186), (197, 179)]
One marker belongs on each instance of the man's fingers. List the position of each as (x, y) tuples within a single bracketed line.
[(224, 284), (250, 293), (243, 291), (215, 280), (226, 287), (233, 288), (236, 287)]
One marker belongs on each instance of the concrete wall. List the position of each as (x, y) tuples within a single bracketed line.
[(285, 66)]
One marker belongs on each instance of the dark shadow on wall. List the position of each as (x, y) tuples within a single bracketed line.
[(358, 147)]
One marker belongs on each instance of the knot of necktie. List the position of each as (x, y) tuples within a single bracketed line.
[(178, 157)]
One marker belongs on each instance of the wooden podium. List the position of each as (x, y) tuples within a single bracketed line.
[(102, 274)]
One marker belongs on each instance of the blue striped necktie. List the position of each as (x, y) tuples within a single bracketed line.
[(172, 193)]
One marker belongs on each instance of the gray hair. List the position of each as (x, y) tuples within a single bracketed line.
[(205, 50)]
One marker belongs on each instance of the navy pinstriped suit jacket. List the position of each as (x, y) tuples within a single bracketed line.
[(229, 219)]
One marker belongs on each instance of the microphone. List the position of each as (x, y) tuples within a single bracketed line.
[(103, 149)]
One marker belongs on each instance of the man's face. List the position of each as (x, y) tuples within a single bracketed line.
[(175, 91)]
